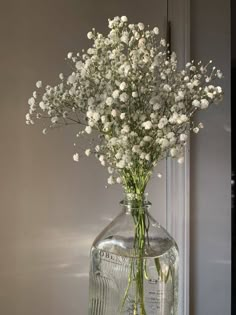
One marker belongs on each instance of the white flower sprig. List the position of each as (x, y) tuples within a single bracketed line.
[(128, 91)]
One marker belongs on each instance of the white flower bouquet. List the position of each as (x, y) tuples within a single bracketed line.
[(127, 93)]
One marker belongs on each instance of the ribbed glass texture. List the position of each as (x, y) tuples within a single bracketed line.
[(125, 282)]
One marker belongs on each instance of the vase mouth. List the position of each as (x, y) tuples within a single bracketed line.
[(132, 202)]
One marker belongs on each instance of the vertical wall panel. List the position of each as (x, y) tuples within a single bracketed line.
[(210, 169)]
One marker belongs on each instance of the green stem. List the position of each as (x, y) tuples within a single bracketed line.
[(137, 265)]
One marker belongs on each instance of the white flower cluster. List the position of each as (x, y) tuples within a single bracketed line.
[(129, 91)]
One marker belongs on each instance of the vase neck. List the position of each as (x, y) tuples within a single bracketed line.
[(135, 203)]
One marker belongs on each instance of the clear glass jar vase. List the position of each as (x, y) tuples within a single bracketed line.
[(134, 265)]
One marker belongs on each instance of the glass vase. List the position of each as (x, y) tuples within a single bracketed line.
[(134, 265)]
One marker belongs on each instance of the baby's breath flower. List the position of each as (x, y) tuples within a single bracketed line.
[(127, 90)]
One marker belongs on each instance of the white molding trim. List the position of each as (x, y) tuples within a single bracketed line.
[(177, 176)]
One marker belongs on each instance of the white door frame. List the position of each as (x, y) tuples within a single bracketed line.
[(178, 201)]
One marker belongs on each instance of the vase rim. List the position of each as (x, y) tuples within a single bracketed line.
[(133, 201)]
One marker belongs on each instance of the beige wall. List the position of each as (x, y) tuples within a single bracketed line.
[(211, 169), (50, 207)]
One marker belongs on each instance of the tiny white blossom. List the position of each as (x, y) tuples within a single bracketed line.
[(111, 180), (118, 155), (103, 119), (103, 163), (43, 106), (196, 130), (147, 125), (196, 103), (101, 158), (122, 116), (88, 129), (210, 95), (167, 88), (142, 155), (147, 157), (125, 129), (109, 101), (122, 86), (219, 74), (134, 94), (204, 103), (118, 180), (115, 94), (124, 18), (90, 35), (156, 106), (183, 137), (39, 84), (181, 160), (156, 30), (69, 55), (88, 152), (76, 157), (163, 42), (120, 164), (31, 101), (170, 135), (173, 152), (110, 170), (124, 97), (114, 113), (54, 119), (164, 143), (141, 26), (97, 148), (96, 116), (147, 139), (136, 148)]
